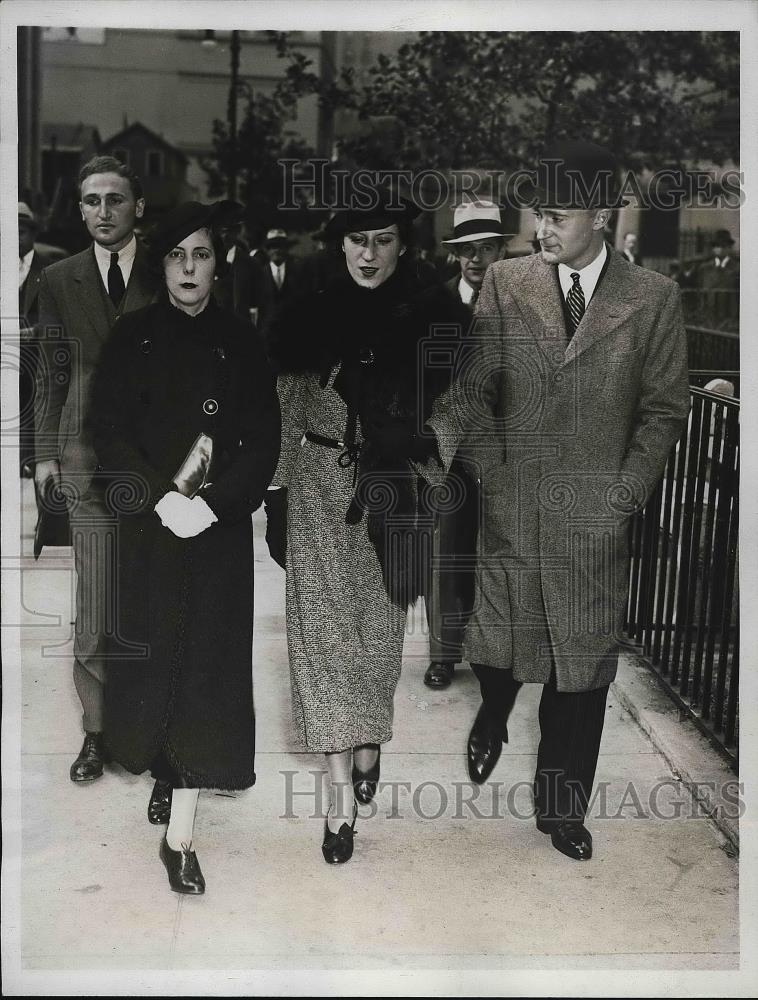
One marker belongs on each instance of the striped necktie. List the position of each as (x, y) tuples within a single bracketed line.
[(575, 303)]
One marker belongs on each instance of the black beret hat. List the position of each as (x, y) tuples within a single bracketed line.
[(187, 218), (369, 206)]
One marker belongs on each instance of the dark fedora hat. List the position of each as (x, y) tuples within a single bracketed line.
[(722, 238), (368, 206), (187, 218), (278, 237), (576, 175)]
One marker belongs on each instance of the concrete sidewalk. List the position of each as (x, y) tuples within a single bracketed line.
[(444, 876)]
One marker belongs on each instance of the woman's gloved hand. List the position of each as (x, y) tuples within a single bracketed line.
[(275, 504), (398, 438), (184, 517)]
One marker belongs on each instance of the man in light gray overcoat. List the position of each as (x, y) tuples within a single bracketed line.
[(577, 389)]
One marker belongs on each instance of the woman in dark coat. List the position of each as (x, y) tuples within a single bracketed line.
[(186, 426), (366, 423)]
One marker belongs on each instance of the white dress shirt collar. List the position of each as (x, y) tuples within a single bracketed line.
[(466, 291), (278, 272), (125, 260), (24, 267), (588, 275)]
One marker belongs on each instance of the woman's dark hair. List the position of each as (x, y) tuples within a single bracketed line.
[(110, 165), (155, 261), (404, 227)]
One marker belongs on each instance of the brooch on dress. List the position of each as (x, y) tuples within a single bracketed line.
[(366, 356)]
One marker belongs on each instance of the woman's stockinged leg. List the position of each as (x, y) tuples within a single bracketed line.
[(366, 756), (182, 823), (341, 797)]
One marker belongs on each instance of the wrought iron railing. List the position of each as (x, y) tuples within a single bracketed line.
[(683, 608), (712, 350), (713, 308)]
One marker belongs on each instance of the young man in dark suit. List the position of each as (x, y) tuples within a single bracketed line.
[(279, 280), (79, 301), (32, 259), (578, 390), (478, 240)]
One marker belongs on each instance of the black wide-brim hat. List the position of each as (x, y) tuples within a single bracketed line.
[(575, 175), (187, 218), (722, 238), (369, 206)]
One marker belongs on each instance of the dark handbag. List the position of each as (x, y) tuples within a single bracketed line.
[(53, 527), (192, 474)]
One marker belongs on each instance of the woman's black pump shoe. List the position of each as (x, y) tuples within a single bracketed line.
[(338, 847), (184, 873), (365, 782), (159, 806)]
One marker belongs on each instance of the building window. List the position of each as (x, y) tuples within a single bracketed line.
[(122, 155), (154, 163)]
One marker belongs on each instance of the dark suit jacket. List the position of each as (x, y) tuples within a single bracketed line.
[(28, 293), (267, 297), (75, 319), (234, 290), (453, 285)]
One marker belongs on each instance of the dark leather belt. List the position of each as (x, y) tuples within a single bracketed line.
[(325, 441), (349, 456)]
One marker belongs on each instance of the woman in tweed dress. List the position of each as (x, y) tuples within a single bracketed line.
[(362, 432)]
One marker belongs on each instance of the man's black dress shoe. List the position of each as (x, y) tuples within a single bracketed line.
[(485, 742), (338, 847), (365, 782), (439, 675), (159, 806), (184, 873), (570, 838), (89, 764)]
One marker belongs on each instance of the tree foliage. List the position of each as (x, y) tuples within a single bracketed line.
[(462, 99)]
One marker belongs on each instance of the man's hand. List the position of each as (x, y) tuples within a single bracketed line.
[(49, 469)]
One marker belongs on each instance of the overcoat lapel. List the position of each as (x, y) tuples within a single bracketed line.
[(615, 299), (139, 291), (538, 297), (90, 294)]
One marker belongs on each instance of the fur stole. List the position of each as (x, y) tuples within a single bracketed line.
[(378, 339)]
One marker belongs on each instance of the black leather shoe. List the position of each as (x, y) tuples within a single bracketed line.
[(338, 847), (570, 838), (159, 806), (365, 782), (485, 742), (439, 675), (184, 873), (89, 764)]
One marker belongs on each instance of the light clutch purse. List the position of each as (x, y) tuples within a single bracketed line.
[(192, 474)]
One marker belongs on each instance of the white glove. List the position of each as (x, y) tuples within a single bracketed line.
[(184, 517)]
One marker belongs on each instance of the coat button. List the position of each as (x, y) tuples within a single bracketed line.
[(210, 406)]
